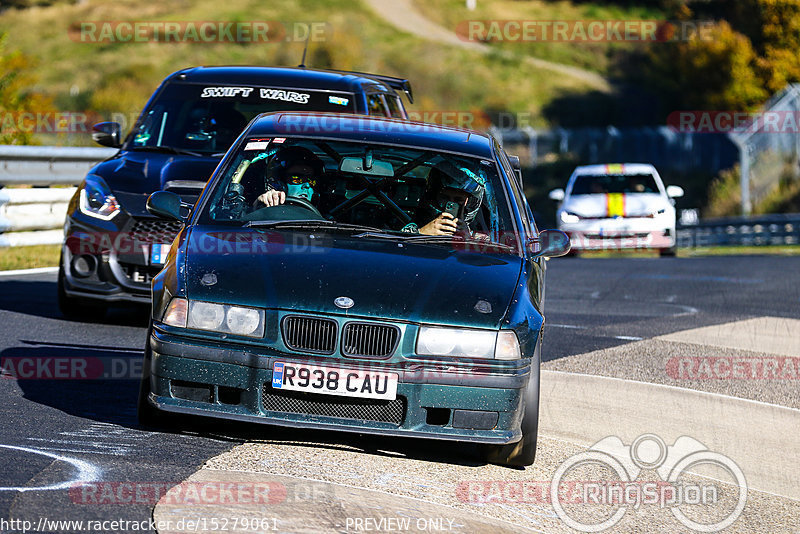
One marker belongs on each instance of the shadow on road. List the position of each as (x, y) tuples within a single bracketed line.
[(90, 382), (39, 298)]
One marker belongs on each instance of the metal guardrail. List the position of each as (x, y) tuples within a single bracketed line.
[(48, 165), (783, 229), (35, 216)]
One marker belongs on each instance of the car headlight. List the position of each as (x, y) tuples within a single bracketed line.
[(567, 217), (466, 343), (215, 317), (96, 199)]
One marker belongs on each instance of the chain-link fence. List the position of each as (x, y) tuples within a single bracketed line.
[(770, 147)]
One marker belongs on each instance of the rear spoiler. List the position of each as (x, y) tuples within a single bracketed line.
[(398, 84)]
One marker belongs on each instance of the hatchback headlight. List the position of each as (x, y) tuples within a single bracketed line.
[(567, 217), (96, 199), (215, 317), (467, 343)]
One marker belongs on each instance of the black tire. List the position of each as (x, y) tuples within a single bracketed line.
[(75, 308), (523, 452), (147, 414), (668, 252)]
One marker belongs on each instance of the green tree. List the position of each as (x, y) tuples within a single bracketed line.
[(715, 69), (17, 98)]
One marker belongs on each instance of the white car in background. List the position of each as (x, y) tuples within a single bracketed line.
[(618, 206)]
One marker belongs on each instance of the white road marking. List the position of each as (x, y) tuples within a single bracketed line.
[(571, 326), (629, 338), (21, 272), (666, 386), (87, 472), (84, 451)]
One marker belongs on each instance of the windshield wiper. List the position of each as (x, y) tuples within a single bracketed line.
[(312, 224), (170, 149), (437, 239)]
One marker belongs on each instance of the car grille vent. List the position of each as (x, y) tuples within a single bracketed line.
[(139, 273), (340, 407), (155, 230), (369, 340), (310, 334)]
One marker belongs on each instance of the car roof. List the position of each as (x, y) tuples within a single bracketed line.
[(615, 168), (374, 129), (289, 77)]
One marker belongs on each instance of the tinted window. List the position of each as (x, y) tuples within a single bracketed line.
[(394, 105), (375, 105), (208, 118), (588, 184)]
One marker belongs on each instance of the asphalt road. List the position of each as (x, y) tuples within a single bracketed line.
[(54, 431), (599, 303)]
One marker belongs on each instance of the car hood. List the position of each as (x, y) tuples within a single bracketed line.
[(633, 205), (133, 176), (413, 282)]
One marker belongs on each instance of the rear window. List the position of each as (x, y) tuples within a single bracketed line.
[(589, 184)]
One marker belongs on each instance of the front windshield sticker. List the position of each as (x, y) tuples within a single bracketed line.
[(257, 145), (278, 140), (222, 92), (287, 96), (338, 100)]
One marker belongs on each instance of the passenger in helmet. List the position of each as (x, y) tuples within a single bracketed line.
[(450, 203), (295, 174)]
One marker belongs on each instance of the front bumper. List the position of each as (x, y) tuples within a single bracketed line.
[(118, 259), (619, 234), (438, 401)]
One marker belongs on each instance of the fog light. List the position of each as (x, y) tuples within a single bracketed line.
[(83, 265)]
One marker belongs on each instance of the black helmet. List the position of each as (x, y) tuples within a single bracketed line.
[(293, 155), (445, 175)]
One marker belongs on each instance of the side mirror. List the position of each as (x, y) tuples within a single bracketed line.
[(557, 195), (107, 134), (550, 244), (674, 191), (165, 205)]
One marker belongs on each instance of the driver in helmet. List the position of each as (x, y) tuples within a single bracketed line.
[(295, 174), (452, 199)]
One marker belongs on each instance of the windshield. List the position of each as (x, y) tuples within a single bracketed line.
[(207, 118), (588, 184), (393, 190)]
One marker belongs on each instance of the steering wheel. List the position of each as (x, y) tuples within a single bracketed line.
[(297, 201)]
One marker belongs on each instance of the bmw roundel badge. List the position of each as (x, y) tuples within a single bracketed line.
[(344, 302)]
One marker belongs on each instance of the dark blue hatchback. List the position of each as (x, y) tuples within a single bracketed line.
[(112, 246)]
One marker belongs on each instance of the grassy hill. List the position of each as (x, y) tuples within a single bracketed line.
[(117, 77), (597, 56)]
